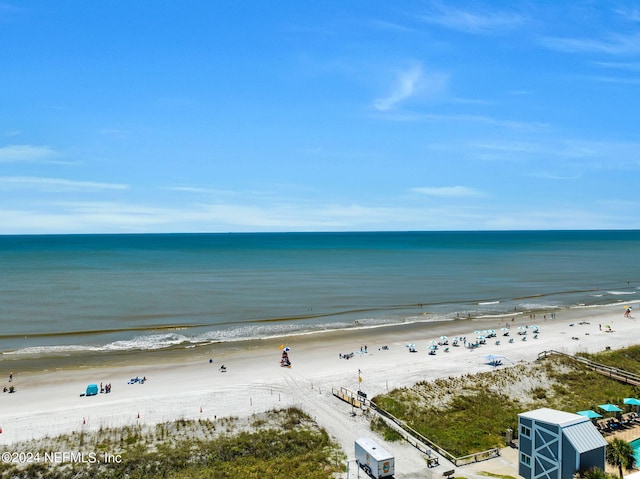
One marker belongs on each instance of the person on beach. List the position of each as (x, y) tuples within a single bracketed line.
[(10, 377)]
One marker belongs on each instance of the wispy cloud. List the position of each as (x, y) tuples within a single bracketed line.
[(615, 44), (26, 153), (472, 21), (629, 66), (404, 87), (410, 83), (447, 191), (560, 154), (461, 118), (631, 15), (6, 8), (54, 184)]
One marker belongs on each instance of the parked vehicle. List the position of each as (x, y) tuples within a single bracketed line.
[(373, 459)]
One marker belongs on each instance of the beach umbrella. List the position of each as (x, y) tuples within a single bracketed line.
[(590, 414), (632, 401), (444, 338), (610, 408)]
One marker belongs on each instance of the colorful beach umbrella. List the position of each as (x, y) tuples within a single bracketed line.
[(610, 408), (590, 414)]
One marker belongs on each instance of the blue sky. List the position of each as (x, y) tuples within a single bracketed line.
[(215, 116)]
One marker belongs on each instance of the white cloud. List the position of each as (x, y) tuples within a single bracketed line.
[(447, 191), (615, 44), (631, 15), (409, 83), (404, 88), (471, 21), (26, 153), (54, 184)]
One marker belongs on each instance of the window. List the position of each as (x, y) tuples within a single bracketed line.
[(525, 431), (524, 459)]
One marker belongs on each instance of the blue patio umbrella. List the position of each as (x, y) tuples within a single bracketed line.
[(610, 408), (590, 414), (632, 401)]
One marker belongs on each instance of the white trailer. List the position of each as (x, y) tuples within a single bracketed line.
[(373, 459)]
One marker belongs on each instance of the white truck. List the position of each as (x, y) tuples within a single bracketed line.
[(373, 459)]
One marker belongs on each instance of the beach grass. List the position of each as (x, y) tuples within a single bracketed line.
[(471, 413), (283, 443), (627, 358)]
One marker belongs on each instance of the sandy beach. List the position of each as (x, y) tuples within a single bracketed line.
[(191, 386)]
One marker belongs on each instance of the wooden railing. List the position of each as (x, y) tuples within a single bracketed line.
[(413, 437), (609, 371)]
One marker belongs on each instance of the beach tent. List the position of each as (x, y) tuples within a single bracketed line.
[(590, 414), (92, 390), (495, 359)]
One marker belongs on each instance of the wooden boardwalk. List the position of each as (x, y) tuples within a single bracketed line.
[(609, 371)]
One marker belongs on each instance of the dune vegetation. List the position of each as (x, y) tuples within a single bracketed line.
[(471, 413), (284, 443)]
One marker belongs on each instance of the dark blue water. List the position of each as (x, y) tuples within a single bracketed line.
[(128, 292)]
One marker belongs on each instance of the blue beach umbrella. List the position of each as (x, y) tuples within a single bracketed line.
[(610, 408), (632, 401), (590, 414)]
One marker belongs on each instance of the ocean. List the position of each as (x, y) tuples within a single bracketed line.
[(99, 294)]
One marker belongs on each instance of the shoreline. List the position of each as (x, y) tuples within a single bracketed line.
[(188, 386), (187, 352)]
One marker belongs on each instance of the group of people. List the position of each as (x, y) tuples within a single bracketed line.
[(106, 388), (135, 380), (9, 389), (345, 356)]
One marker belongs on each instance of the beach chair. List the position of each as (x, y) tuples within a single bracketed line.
[(446, 350), (497, 343), (510, 340)]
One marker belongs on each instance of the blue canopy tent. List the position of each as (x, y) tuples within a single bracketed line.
[(495, 359), (590, 414), (92, 390)]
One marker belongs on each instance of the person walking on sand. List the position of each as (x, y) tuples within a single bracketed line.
[(10, 377)]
